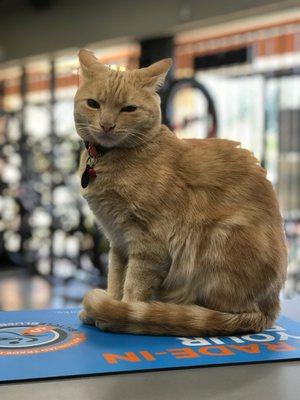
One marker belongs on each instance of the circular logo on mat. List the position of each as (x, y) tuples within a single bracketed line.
[(35, 338)]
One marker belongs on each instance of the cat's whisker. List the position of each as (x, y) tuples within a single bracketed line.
[(139, 138), (89, 129), (134, 140), (88, 126), (134, 134)]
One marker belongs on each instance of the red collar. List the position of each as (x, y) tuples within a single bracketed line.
[(95, 151)]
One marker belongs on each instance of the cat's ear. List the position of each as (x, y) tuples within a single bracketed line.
[(154, 75), (90, 64)]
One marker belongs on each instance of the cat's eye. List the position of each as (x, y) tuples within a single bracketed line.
[(93, 103), (128, 108)]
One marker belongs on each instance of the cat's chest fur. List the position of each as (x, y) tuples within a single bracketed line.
[(114, 197)]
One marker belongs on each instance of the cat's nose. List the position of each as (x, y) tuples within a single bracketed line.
[(108, 127)]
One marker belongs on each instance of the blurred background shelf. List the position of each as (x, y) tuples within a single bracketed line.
[(236, 75)]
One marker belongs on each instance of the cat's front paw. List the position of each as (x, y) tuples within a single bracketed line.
[(91, 301), (104, 326), (93, 298), (85, 318)]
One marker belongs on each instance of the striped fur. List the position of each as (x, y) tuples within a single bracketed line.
[(157, 318)]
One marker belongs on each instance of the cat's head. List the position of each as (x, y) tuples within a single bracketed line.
[(118, 108)]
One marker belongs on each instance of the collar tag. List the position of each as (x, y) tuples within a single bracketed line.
[(89, 171), (94, 151), (85, 178)]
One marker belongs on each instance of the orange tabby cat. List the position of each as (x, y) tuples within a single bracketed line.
[(196, 236)]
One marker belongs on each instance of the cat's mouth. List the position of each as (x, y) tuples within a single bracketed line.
[(107, 139)]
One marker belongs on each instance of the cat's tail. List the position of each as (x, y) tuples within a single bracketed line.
[(157, 318)]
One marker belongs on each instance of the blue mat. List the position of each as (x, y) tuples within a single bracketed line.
[(53, 343)]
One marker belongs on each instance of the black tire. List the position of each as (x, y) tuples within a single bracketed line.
[(173, 86)]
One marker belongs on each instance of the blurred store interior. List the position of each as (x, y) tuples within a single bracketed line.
[(236, 75)]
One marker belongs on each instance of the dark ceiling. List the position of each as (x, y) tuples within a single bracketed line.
[(8, 6)]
